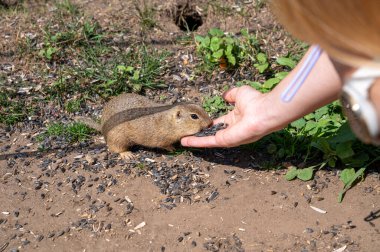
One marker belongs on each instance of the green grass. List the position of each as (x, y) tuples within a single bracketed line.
[(13, 110), (146, 15), (87, 62), (73, 132)]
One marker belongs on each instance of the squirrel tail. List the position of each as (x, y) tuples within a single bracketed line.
[(89, 122)]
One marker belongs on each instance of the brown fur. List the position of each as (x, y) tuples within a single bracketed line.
[(131, 119)]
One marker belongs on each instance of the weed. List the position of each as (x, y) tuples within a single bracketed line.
[(146, 15), (223, 49), (302, 174), (215, 105), (73, 106), (12, 110), (74, 132), (349, 177)]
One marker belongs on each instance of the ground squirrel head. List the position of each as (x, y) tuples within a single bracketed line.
[(190, 119)]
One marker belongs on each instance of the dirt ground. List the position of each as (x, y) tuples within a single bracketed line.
[(83, 198)]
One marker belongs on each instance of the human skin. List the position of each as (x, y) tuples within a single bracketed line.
[(256, 114)]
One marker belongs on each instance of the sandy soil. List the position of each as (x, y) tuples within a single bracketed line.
[(83, 198)]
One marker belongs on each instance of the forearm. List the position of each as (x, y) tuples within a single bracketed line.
[(322, 86)]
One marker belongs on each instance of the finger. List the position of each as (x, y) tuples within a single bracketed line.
[(230, 95), (234, 135), (205, 142)]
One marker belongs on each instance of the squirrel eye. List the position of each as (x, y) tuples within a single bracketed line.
[(194, 116)]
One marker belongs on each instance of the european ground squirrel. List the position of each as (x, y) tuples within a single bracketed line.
[(131, 119)]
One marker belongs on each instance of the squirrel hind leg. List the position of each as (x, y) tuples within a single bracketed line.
[(127, 155), (169, 148)]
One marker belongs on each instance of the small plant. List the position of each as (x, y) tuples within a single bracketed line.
[(215, 105), (262, 62), (73, 106), (74, 132), (146, 15), (12, 110), (224, 49), (302, 174), (348, 176)]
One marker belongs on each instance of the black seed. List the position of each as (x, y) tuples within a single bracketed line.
[(4, 246), (101, 188), (40, 238), (60, 233), (50, 235), (180, 239), (212, 196), (309, 230), (25, 242), (37, 185)]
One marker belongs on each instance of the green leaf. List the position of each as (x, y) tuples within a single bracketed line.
[(305, 174), (358, 160), (291, 174), (216, 32), (310, 125), (231, 59), (321, 112), (300, 123), (229, 49), (255, 84), (281, 75), (344, 150), (332, 162), (346, 175), (218, 54), (244, 32), (215, 44), (199, 39), (286, 62), (262, 58), (136, 75), (344, 134), (323, 145), (229, 41), (350, 181), (261, 67), (270, 83)]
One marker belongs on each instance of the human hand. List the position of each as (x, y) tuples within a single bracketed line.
[(245, 122)]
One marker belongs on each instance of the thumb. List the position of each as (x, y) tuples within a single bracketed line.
[(230, 95)]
